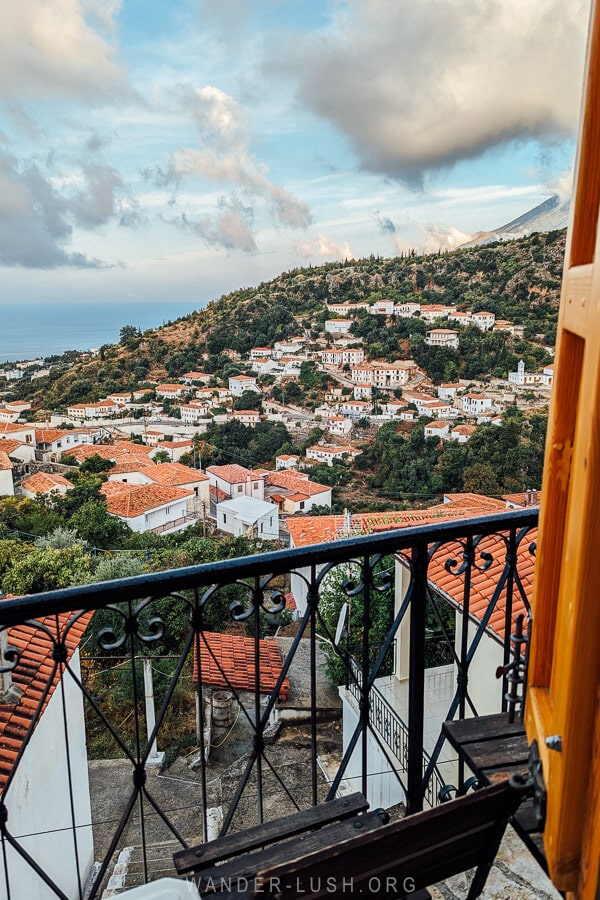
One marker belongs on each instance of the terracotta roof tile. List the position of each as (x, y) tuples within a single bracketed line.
[(31, 675), (295, 483), (228, 660), (129, 501), (232, 473), (13, 428), (44, 482), (170, 473), (484, 583)]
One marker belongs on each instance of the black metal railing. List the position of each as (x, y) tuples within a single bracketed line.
[(386, 724), (479, 567)]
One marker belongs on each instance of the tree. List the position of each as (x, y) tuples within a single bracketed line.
[(480, 478), (60, 538), (129, 336), (46, 570), (96, 464), (293, 391), (98, 527), (122, 565), (248, 400)]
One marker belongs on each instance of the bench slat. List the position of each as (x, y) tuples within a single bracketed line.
[(246, 867), (482, 728), (194, 859)]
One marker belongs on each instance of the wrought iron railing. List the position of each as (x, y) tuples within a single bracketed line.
[(386, 723), (481, 567)]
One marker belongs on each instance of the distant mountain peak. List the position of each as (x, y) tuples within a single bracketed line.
[(550, 215)]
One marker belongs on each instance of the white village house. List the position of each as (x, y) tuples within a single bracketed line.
[(248, 516)]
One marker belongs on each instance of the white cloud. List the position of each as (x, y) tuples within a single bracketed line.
[(225, 159), (35, 228), (50, 49), (430, 238), (321, 247), (417, 86), (229, 228)]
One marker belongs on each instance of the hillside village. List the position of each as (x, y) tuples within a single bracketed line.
[(244, 439)]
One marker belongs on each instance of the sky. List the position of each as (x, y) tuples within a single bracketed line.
[(175, 151)]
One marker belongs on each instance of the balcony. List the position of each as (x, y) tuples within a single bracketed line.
[(431, 610)]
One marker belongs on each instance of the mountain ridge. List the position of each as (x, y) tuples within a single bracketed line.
[(550, 215)]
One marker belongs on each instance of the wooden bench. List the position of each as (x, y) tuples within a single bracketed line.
[(494, 748), (196, 859), (397, 860)]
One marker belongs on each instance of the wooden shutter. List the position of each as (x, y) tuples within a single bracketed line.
[(564, 671)]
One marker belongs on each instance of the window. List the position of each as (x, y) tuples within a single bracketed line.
[(302, 504), (224, 519)]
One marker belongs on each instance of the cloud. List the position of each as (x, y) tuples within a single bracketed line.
[(229, 228), (224, 158), (50, 49), (385, 224), (34, 220), (41, 203), (102, 197), (427, 237), (418, 86), (321, 247)]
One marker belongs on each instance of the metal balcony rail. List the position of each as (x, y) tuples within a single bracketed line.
[(170, 614), (391, 728)]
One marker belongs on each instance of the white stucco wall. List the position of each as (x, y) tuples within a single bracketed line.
[(6, 483), (484, 688), (157, 517), (38, 802)]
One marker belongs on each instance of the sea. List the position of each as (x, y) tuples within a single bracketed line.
[(35, 331)]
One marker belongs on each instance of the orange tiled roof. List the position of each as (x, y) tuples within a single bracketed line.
[(13, 428), (295, 483), (483, 584), (5, 463), (525, 498), (44, 482), (176, 444), (123, 451), (31, 676), (307, 530), (49, 435), (129, 500), (9, 446), (233, 656), (170, 473), (232, 473), (296, 497)]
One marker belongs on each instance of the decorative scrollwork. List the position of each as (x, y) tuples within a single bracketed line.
[(452, 563), (12, 656), (110, 638), (487, 558)]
